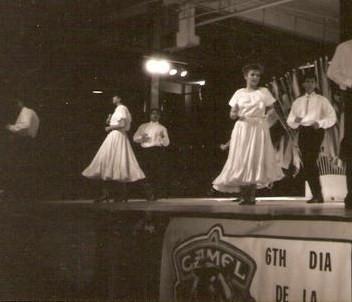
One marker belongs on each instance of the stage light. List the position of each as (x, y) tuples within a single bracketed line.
[(97, 91), (201, 83), (164, 67), (173, 72), (151, 65), (184, 73), (157, 66)]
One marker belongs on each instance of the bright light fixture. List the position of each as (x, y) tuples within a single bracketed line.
[(184, 73), (164, 66), (151, 65), (157, 66), (173, 72), (97, 91)]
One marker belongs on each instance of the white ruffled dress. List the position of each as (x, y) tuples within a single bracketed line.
[(115, 159), (252, 159)]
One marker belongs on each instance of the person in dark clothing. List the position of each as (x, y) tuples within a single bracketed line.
[(20, 154), (340, 72), (311, 114)]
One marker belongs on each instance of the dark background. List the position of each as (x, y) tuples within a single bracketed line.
[(54, 53)]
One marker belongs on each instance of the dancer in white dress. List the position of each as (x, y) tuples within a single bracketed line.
[(115, 160), (251, 162)]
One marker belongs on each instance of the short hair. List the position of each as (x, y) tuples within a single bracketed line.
[(309, 76), (157, 110), (121, 93), (16, 99), (249, 67)]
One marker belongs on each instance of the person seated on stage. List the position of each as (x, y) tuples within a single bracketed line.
[(340, 72), (311, 114), (153, 139), (21, 155)]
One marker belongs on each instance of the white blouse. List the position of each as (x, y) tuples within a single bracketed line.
[(121, 113), (312, 108), (156, 134), (27, 123), (252, 103)]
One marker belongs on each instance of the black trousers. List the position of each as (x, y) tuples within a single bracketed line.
[(154, 166), (346, 145), (19, 177), (309, 142)]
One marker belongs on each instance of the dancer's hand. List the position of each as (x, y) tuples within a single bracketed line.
[(107, 129), (234, 112), (316, 125), (223, 147), (108, 119), (298, 120), (144, 137)]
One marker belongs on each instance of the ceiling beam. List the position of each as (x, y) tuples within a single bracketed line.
[(309, 14), (128, 12), (246, 10)]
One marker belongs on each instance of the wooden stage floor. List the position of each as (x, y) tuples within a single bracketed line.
[(266, 208)]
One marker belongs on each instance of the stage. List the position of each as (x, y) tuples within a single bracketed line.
[(265, 208), (281, 249)]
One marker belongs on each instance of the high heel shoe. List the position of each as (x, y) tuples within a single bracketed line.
[(121, 195), (120, 199), (247, 202), (212, 192), (102, 199), (247, 196)]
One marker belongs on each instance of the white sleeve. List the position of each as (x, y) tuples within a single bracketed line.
[(234, 99), (166, 140), (138, 135), (22, 124), (268, 97), (329, 115), (292, 116), (121, 113)]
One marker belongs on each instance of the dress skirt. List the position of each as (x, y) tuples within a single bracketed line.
[(252, 158), (115, 160)]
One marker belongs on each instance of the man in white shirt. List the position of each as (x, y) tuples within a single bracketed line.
[(153, 139), (311, 114), (20, 168), (340, 72)]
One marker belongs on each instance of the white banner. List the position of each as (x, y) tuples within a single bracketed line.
[(231, 260)]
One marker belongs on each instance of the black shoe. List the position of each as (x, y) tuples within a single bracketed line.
[(148, 191), (151, 197), (316, 200), (117, 200), (212, 192), (101, 199), (120, 199), (245, 202), (238, 200), (348, 204)]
